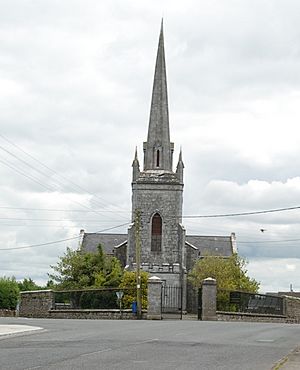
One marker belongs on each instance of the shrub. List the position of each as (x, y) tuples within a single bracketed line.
[(129, 281), (9, 293)]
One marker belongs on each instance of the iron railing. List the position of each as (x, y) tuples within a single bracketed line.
[(236, 301), (105, 298)]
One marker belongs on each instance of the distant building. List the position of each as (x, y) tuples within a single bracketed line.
[(157, 192), (290, 294)]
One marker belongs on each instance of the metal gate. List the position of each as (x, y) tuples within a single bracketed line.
[(171, 302)]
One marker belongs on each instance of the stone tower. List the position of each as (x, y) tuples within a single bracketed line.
[(157, 191)]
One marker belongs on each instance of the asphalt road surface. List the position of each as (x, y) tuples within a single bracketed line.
[(143, 345)]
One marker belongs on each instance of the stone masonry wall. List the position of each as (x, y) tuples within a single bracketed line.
[(94, 314), (154, 298), (291, 314), (209, 299), (249, 317), (41, 304), (7, 313), (36, 303), (292, 309)]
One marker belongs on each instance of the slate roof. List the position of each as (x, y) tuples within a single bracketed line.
[(108, 241), (213, 245)]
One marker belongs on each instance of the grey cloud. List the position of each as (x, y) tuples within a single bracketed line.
[(75, 93)]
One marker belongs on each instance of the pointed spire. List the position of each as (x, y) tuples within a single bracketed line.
[(180, 155), (135, 154), (158, 149), (135, 166), (180, 167)]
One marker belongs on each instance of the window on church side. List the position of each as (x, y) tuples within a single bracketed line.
[(157, 158), (156, 233)]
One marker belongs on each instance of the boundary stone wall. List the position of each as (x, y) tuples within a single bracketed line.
[(36, 303), (7, 313), (41, 304), (209, 312), (96, 314), (292, 309), (249, 317)]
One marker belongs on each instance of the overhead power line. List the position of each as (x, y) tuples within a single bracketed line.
[(183, 216), (199, 216), (269, 241), (53, 220), (34, 179), (103, 201), (50, 189), (62, 210), (243, 213), (61, 240)]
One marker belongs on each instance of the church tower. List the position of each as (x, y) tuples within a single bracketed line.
[(157, 191)]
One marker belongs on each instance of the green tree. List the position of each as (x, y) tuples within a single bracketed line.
[(230, 273), (129, 281), (50, 284), (79, 270), (9, 293), (28, 284)]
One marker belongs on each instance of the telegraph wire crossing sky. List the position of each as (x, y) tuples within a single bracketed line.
[(75, 84), (201, 216)]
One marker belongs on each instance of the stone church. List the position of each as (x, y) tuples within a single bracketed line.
[(157, 194)]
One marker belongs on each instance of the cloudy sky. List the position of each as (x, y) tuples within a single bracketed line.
[(75, 88)]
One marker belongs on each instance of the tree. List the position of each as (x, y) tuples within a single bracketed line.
[(230, 273), (129, 281), (28, 284), (79, 270), (9, 293)]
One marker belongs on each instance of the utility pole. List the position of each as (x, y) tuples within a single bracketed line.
[(138, 262)]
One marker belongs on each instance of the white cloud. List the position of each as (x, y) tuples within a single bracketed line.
[(255, 193), (290, 267), (275, 275)]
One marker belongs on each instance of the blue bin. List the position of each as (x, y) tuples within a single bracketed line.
[(134, 307)]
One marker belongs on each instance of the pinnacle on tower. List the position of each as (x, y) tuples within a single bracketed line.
[(158, 149), (135, 166), (180, 167)]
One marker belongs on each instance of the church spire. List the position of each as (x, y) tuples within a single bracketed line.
[(158, 150)]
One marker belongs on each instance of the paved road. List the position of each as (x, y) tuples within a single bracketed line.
[(143, 345)]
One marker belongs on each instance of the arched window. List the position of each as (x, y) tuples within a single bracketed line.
[(157, 158), (156, 231)]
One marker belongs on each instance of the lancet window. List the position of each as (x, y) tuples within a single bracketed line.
[(156, 233)]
